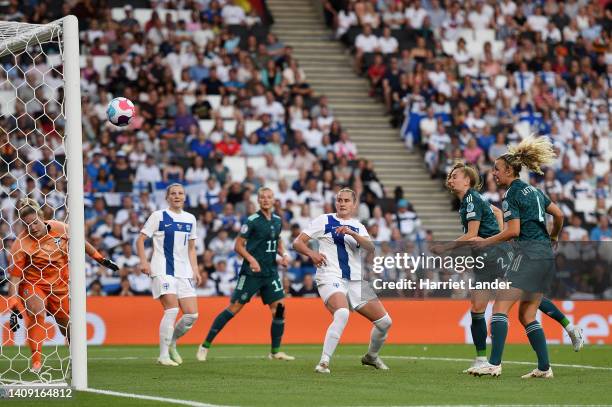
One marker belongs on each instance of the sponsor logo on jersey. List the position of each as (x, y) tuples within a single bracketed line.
[(470, 215)]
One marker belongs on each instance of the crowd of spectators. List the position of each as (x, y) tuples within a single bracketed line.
[(223, 107), (463, 80)]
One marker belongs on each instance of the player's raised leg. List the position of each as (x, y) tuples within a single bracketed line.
[(574, 332), (375, 312), (220, 321)]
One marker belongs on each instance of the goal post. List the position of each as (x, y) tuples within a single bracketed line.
[(61, 112), (74, 167)]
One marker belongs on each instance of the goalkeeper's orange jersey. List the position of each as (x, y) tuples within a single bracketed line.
[(43, 262)]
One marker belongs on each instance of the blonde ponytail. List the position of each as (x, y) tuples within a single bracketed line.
[(532, 152)]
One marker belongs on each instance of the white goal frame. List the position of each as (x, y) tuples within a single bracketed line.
[(69, 36)]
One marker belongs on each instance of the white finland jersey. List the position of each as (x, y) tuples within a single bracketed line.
[(170, 232), (342, 252)]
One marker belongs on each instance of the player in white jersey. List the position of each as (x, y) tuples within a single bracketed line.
[(339, 279), (174, 270)]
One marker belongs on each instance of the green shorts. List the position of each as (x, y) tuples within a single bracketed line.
[(531, 275), (490, 272), (269, 287)]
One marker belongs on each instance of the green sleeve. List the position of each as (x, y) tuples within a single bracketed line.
[(247, 229), (510, 206), (475, 209)]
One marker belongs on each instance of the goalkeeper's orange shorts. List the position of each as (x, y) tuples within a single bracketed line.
[(57, 302)]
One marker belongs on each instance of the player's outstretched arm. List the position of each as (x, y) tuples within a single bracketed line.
[(97, 256)]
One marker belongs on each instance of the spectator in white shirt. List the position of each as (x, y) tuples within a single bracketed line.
[(346, 19), (388, 44), (313, 136), (365, 43), (221, 245), (285, 193), (148, 173), (232, 14), (537, 21), (415, 14), (578, 158), (578, 188), (479, 19), (575, 231)]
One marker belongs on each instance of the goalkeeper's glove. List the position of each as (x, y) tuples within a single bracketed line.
[(15, 306), (14, 319), (109, 264)]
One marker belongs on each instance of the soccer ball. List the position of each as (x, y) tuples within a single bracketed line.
[(120, 111)]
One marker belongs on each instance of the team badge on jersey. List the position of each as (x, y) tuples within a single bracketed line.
[(244, 228), (470, 207), (165, 286)]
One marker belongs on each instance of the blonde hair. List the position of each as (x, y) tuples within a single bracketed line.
[(28, 206), (468, 171), (264, 189), (532, 152), (350, 191)]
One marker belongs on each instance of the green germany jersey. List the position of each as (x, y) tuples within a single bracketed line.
[(524, 202), (262, 237), (475, 207)]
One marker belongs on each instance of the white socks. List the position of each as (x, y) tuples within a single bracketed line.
[(379, 334), (569, 328), (334, 332), (183, 326), (166, 330)]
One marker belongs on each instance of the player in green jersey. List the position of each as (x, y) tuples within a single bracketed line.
[(481, 219), (259, 244), (524, 208)]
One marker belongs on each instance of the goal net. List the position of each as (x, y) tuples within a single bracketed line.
[(41, 159)]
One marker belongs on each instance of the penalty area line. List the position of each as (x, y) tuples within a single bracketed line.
[(150, 398)]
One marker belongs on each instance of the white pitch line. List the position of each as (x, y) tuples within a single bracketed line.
[(151, 398), (514, 362)]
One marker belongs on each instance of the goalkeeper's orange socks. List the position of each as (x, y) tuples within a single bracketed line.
[(36, 336)]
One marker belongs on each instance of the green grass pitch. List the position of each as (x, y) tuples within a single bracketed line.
[(420, 374)]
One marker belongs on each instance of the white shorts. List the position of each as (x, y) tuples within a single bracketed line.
[(179, 286), (357, 292)]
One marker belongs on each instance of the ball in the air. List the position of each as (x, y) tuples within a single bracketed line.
[(120, 111)]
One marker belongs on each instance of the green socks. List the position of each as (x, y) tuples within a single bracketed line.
[(276, 333), (550, 309), (538, 343), (499, 331), (218, 324), (479, 333)]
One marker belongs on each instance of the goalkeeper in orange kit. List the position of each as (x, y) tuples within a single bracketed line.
[(39, 275)]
